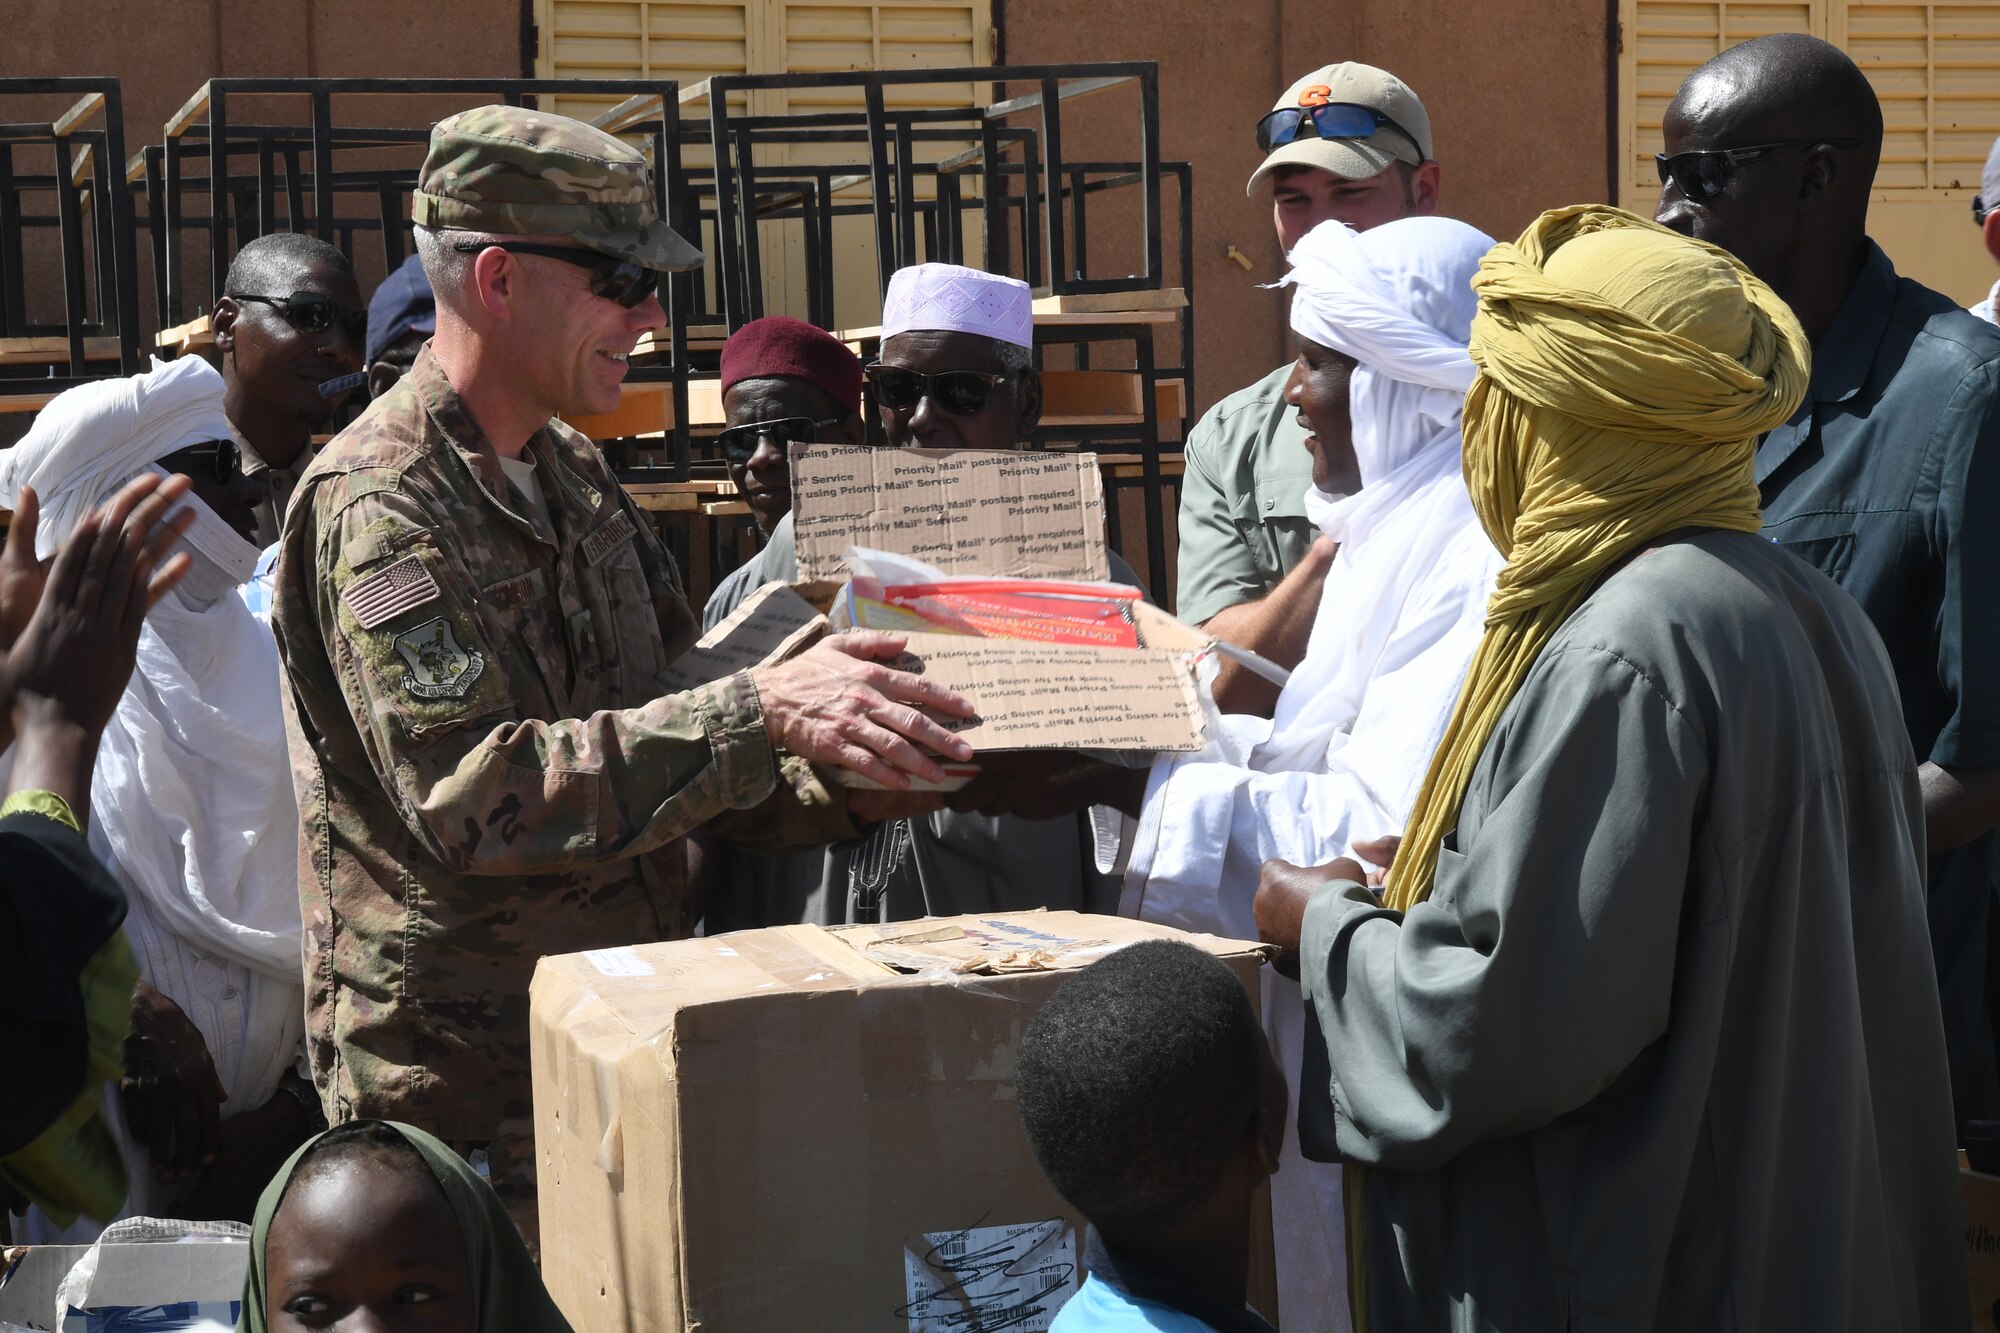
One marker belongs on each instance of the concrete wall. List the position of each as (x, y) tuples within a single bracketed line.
[(1518, 98)]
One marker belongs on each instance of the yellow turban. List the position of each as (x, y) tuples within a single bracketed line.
[(1625, 375)]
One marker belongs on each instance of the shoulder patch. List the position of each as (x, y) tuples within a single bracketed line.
[(608, 536), (390, 591), (439, 668)]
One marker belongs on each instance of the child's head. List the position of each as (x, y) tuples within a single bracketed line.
[(377, 1225), (1150, 1096)]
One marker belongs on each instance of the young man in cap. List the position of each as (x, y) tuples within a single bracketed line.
[(289, 320), (401, 315), (473, 617), (1347, 142)]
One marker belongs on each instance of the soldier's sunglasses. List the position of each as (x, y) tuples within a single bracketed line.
[(739, 443), (962, 392), (1703, 174), (1335, 120), (314, 312), (222, 456), (612, 278)]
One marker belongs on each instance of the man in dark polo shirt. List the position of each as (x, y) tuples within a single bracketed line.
[(1888, 475)]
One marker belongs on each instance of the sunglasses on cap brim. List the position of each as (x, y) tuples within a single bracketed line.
[(739, 443), (314, 312), (961, 392), (1335, 120), (1704, 173), (612, 278)]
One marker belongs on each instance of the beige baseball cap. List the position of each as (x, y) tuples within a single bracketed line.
[(1354, 159)]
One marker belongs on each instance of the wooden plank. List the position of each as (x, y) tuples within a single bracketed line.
[(664, 504), (632, 111), (53, 351), (1107, 397), (26, 402), (642, 408), (725, 509), (193, 109), (193, 336), (1098, 303), (90, 105)]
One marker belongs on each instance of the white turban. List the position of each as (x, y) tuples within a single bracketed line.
[(93, 439), (1398, 299)]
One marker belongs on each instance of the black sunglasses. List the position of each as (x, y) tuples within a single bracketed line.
[(612, 278), (739, 443), (1335, 120), (1703, 174), (962, 392), (313, 312), (222, 456)]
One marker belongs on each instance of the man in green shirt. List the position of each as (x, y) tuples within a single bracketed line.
[(1347, 141)]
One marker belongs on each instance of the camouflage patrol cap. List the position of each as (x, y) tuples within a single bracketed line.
[(512, 171)]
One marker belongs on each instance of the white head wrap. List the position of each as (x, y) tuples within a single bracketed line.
[(958, 300), (1398, 299), (191, 798)]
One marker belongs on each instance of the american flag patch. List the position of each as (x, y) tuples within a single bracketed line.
[(390, 592)]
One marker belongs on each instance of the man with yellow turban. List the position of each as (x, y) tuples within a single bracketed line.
[(1640, 1033)]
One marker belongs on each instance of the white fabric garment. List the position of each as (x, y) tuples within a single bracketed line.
[(1403, 609), (191, 798), (93, 439)]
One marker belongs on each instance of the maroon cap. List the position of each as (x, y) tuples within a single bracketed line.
[(781, 345)]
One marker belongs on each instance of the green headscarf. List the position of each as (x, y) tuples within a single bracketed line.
[(507, 1290)]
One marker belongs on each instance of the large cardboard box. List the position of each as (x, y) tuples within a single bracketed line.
[(803, 1128)]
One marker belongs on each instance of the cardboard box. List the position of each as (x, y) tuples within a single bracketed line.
[(802, 1128), (153, 1273), (1002, 514)]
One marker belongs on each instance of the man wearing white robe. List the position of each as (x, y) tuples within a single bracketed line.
[(1344, 756), (191, 798)]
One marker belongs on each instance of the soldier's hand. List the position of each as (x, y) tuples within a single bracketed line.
[(171, 1094), (839, 703)]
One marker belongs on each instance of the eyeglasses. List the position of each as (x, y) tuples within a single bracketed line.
[(739, 443), (961, 392), (1703, 174), (222, 456), (1979, 209), (612, 278), (314, 312), (1335, 120)]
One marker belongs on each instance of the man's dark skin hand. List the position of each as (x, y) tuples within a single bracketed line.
[(249, 1149), (171, 1094), (1043, 784), (1284, 891)]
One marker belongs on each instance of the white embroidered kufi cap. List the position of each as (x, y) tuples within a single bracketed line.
[(952, 299)]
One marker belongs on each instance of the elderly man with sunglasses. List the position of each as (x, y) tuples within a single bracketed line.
[(956, 372), (475, 619), (289, 322), (1888, 475), (1347, 142)]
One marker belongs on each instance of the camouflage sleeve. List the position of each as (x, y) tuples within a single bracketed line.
[(424, 667)]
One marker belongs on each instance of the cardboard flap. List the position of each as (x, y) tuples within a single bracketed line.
[(772, 623), (1008, 942), (1003, 513), (1052, 696)]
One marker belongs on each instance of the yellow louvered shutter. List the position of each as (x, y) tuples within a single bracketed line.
[(1935, 66)]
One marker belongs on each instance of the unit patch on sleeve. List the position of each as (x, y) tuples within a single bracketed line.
[(389, 592), (438, 667)]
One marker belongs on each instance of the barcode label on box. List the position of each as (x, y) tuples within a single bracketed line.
[(618, 962), (984, 1279)]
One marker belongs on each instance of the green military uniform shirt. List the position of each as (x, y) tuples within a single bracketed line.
[(1243, 519), (489, 767)]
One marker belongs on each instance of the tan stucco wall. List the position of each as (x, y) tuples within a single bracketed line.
[(162, 51), (1516, 93)]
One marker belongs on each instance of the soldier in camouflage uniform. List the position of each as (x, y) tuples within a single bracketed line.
[(475, 620)]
